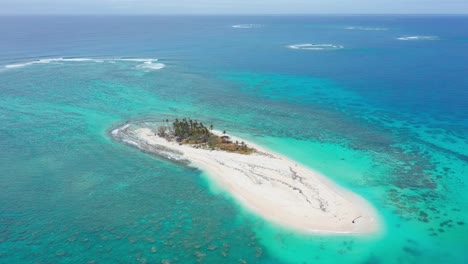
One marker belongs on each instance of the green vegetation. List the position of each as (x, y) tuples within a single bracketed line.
[(188, 131)]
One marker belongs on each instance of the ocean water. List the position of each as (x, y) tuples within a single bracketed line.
[(376, 103)]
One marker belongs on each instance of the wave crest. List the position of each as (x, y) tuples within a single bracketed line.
[(248, 26), (419, 38), (309, 46), (367, 28), (143, 63)]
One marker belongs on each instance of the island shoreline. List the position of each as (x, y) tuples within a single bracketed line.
[(317, 220)]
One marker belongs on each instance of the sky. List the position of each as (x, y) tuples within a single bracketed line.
[(233, 6)]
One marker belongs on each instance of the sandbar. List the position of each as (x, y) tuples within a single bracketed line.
[(268, 184)]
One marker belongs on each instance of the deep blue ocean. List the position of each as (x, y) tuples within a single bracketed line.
[(378, 104)]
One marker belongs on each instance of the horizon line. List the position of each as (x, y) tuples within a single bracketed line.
[(233, 14)]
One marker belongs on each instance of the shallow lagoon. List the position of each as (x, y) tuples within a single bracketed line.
[(71, 194)]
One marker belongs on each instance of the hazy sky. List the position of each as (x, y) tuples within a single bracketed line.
[(231, 6)]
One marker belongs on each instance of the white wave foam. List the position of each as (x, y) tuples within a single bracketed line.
[(19, 65), (136, 60), (248, 26), (151, 66), (148, 64), (309, 46), (419, 38), (367, 28)]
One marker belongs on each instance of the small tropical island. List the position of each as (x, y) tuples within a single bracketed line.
[(192, 132), (268, 184)]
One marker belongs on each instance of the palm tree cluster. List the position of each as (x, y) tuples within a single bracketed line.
[(190, 131)]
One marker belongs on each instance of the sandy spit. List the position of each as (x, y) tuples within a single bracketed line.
[(268, 184)]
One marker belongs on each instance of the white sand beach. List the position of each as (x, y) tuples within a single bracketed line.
[(270, 185)]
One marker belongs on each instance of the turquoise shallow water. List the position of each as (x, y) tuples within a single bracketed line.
[(396, 135)]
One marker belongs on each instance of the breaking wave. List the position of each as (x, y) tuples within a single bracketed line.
[(248, 26), (419, 38), (367, 28), (147, 64), (315, 46)]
